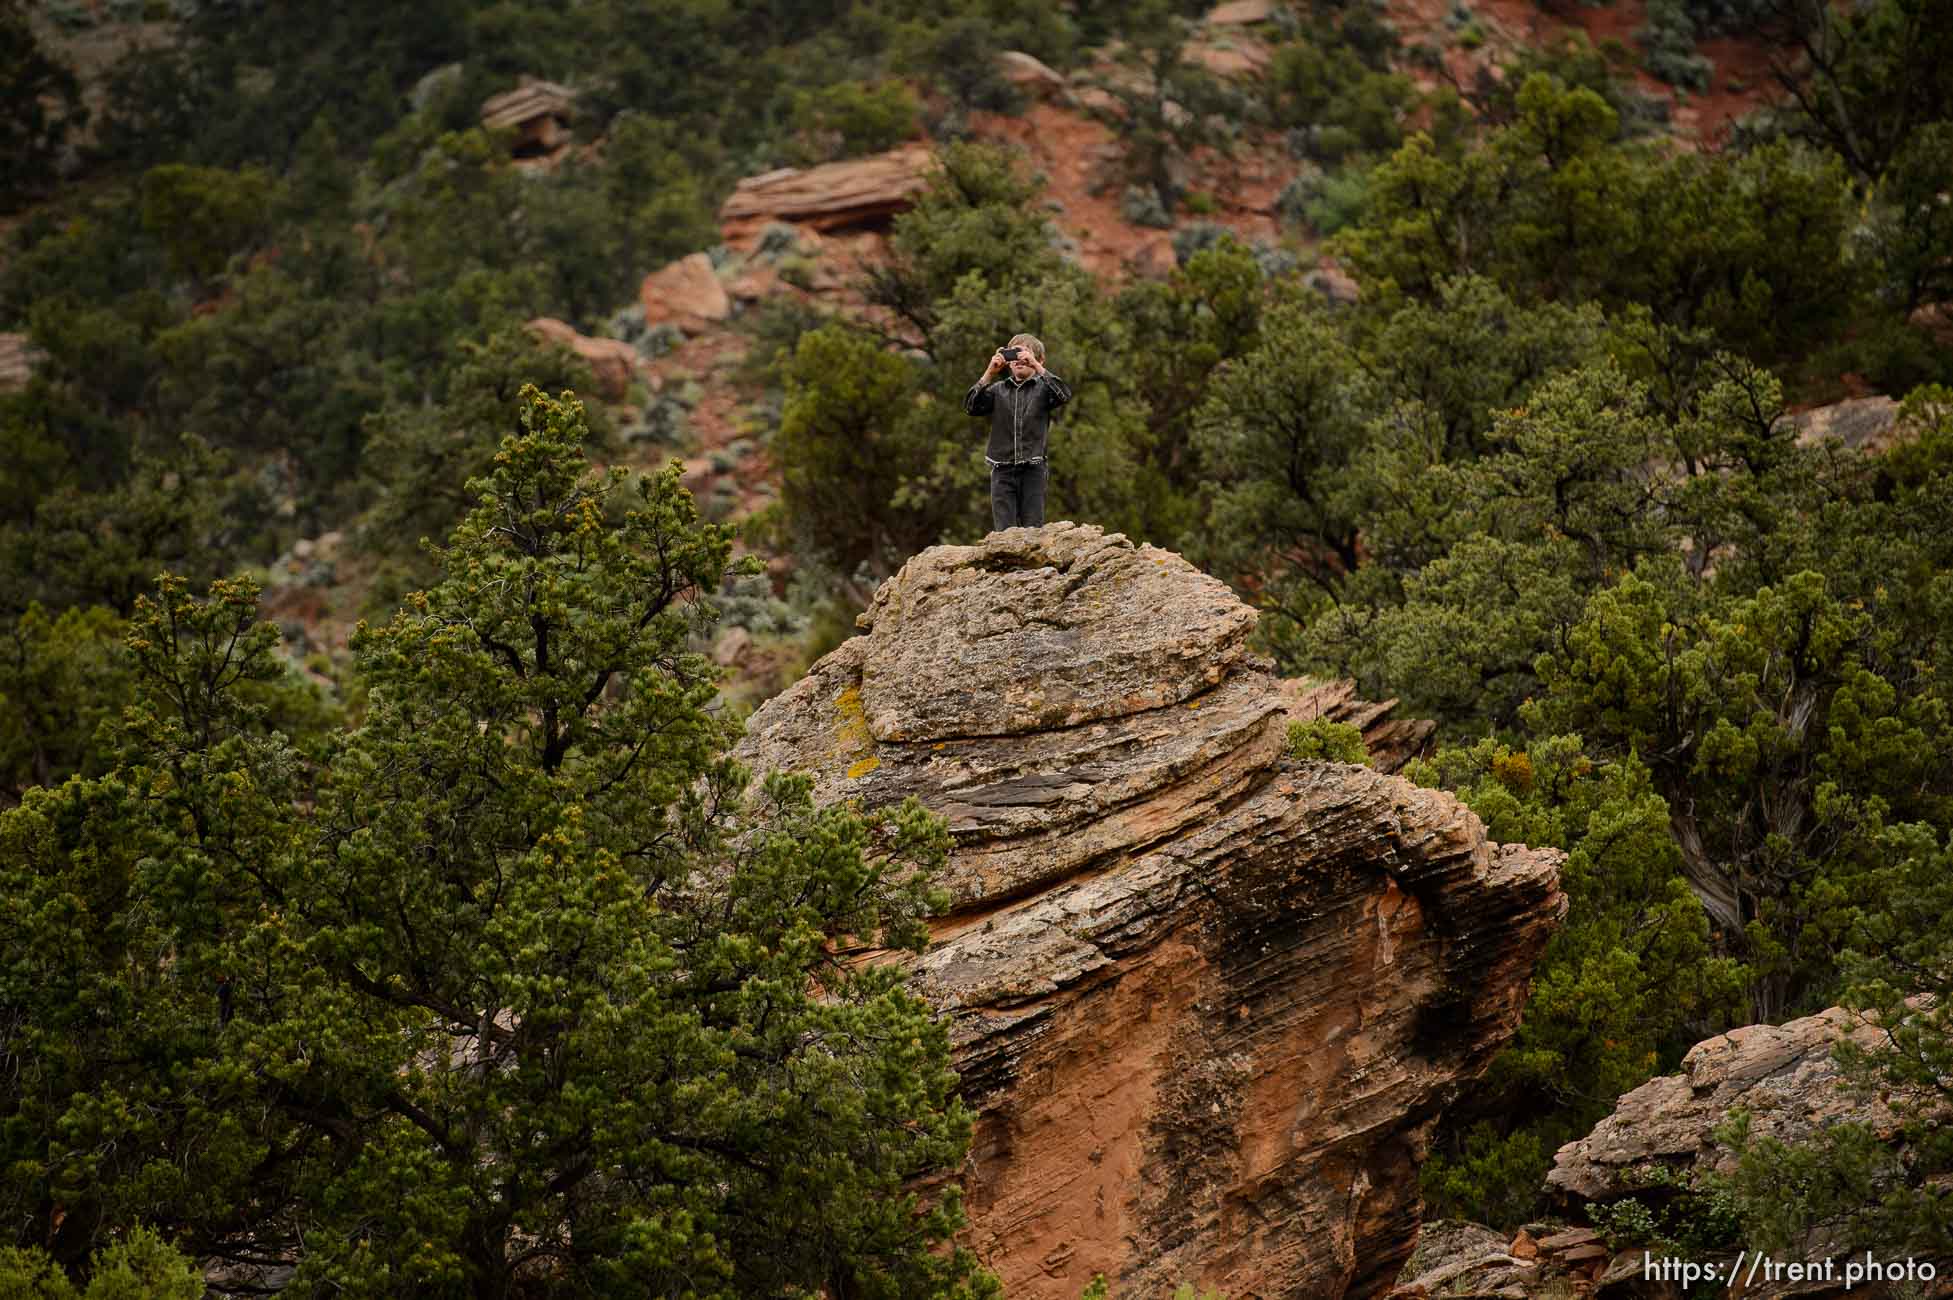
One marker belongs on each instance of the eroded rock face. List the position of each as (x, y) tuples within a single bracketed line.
[(1207, 1002)]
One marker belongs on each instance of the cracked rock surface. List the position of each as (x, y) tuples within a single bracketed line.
[(1208, 1003)]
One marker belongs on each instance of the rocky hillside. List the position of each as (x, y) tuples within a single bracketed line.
[(1209, 1003)]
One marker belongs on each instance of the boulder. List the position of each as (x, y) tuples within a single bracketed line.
[(612, 361), (1860, 423), (539, 112), (1239, 13), (834, 196), (1783, 1075), (1033, 76), (1208, 1003), (19, 359), (1334, 283), (686, 293), (1786, 1079), (1234, 60)]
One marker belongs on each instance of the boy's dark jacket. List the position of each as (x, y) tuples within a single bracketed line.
[(1020, 415)]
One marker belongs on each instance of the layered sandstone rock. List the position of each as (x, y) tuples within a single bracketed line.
[(539, 112), (1033, 76), (1783, 1075), (1241, 13), (1208, 1003), (833, 196), (1787, 1081)]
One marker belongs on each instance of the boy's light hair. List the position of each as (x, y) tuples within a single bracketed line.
[(1030, 341)]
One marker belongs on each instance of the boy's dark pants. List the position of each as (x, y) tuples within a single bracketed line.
[(1017, 495)]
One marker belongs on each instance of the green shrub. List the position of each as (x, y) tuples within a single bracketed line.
[(1320, 738), (141, 1266), (1199, 235), (1141, 206), (1493, 1178), (1685, 1213), (1339, 201), (1669, 39), (852, 118)]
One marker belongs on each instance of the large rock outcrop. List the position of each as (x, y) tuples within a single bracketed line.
[(1208, 1003), (1786, 1078)]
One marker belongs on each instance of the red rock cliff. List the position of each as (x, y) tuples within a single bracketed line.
[(1209, 1003)]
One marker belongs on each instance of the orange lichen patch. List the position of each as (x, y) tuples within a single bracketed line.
[(851, 723)]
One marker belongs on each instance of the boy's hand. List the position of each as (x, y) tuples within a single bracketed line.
[(997, 363)]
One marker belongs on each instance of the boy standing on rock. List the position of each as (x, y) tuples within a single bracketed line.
[(1019, 407)]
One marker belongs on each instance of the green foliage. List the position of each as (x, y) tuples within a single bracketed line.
[(1166, 104), (1912, 228), (1337, 102), (423, 454), (46, 107), (1846, 1185), (1685, 1213), (61, 678), (1327, 202), (1627, 985), (140, 1266), (82, 547), (256, 998), (202, 216), (1787, 732), (841, 454), (1320, 738), (1866, 1188), (1607, 70), (1742, 614), (977, 218), (1877, 73), (1488, 1176), (1204, 317), (1553, 206), (201, 99), (1323, 442), (1532, 484), (850, 118), (1669, 39)]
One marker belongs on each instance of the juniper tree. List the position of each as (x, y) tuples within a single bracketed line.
[(515, 989)]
